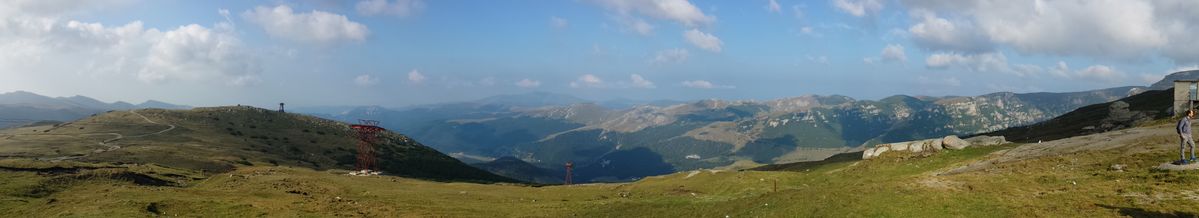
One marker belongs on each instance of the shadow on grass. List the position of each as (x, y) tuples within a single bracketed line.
[(1138, 212), (807, 165)]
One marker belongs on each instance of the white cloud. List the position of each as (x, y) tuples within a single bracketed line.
[(807, 30), (986, 62), (1125, 30), (859, 8), (528, 83), (1100, 73), (639, 82), (890, 53), (55, 48), (558, 22), (703, 40), (704, 84), (193, 50), (55, 8), (400, 8), (1094, 73), (316, 26), (675, 55), (639, 26), (587, 81), (773, 6), (940, 34), (1060, 69), (894, 52), (681, 11), (415, 76), (366, 80)]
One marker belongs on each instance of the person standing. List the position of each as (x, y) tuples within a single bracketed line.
[(1184, 133)]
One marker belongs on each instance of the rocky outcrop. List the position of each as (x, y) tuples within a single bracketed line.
[(950, 142), (984, 140)]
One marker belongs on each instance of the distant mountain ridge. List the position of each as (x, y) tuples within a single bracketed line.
[(220, 139), (1168, 81), (620, 144), (21, 107)]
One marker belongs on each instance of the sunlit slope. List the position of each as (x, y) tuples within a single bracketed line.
[(1071, 177), (220, 139)]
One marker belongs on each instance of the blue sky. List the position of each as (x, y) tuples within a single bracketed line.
[(396, 53)]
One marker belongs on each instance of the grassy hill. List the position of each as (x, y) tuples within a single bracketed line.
[(1101, 175), (220, 139)]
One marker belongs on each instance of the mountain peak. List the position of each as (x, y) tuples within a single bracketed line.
[(1168, 81)]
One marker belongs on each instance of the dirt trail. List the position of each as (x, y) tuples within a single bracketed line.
[(172, 126), (106, 143)]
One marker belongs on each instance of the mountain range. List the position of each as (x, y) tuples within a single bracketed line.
[(529, 136), (614, 143), (21, 107)]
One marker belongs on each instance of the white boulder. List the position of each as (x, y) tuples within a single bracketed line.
[(954, 143), (917, 146)]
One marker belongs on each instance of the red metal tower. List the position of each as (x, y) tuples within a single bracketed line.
[(366, 132), (569, 166)]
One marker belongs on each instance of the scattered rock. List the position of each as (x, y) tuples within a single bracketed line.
[(868, 153), (918, 146), (936, 145), (899, 146), (880, 150), (952, 142), (1118, 167)]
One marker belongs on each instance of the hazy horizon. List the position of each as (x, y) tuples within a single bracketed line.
[(413, 52)]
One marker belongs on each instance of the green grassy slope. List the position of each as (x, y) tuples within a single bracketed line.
[(220, 139), (1079, 184)]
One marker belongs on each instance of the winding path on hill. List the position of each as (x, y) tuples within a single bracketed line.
[(106, 143), (172, 126)]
